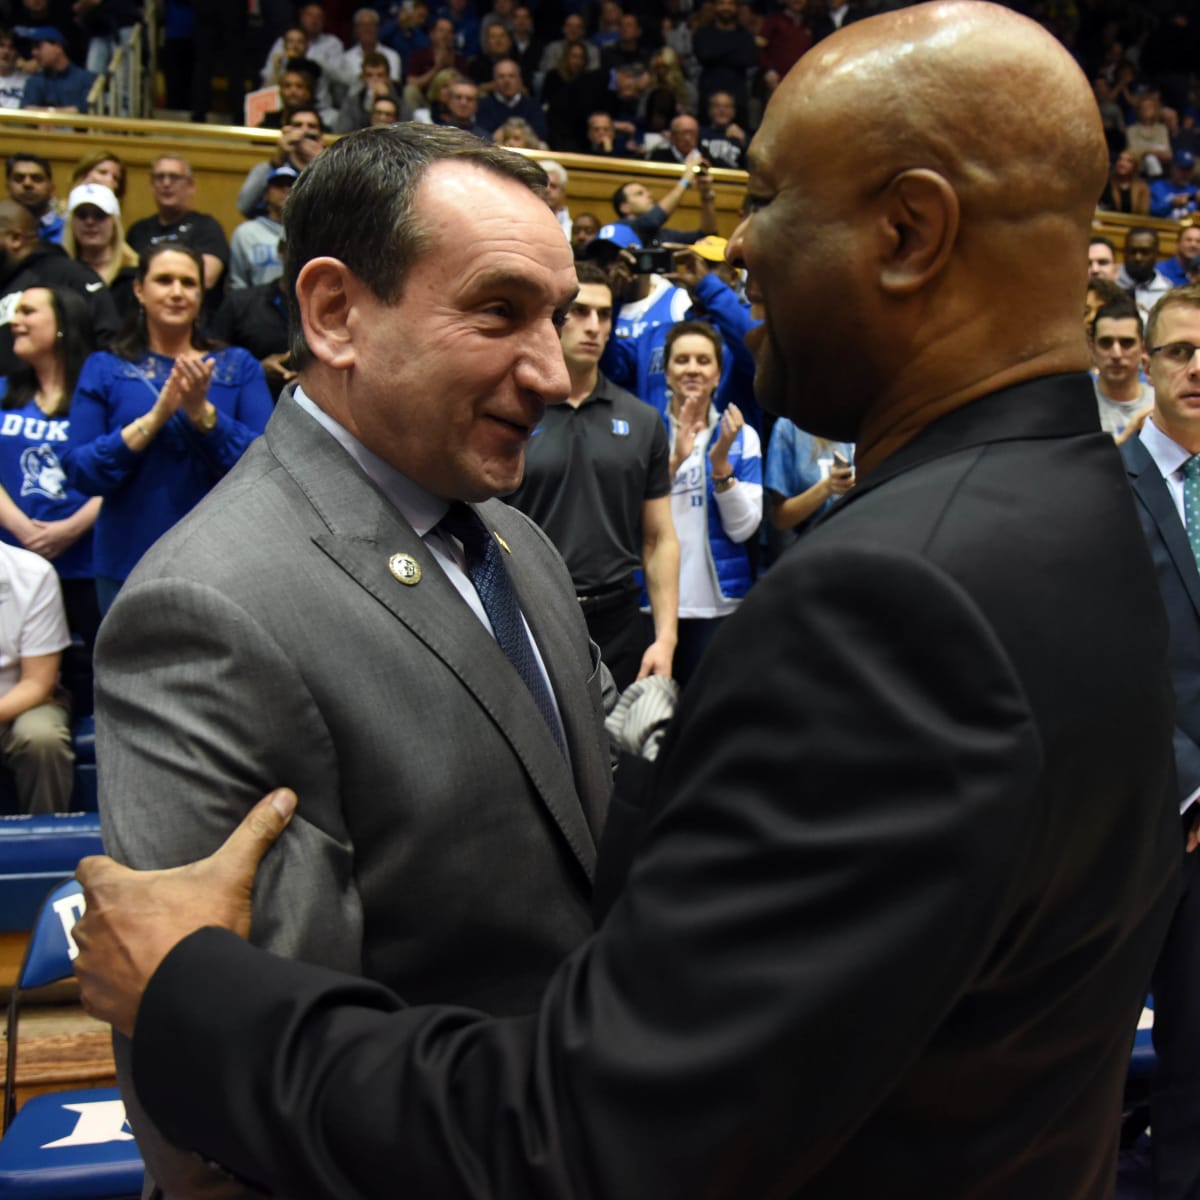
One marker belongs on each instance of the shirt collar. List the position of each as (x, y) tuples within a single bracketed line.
[(421, 509), (1169, 456)]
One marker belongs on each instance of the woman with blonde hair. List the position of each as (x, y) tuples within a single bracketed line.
[(518, 134), (668, 76), (93, 234)]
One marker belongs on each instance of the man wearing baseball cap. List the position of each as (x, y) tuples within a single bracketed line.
[(59, 85), (1174, 196), (254, 247)]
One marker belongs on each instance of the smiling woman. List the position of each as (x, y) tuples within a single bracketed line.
[(716, 491), (94, 235), (159, 419)]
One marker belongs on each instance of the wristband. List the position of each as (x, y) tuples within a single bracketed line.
[(722, 478)]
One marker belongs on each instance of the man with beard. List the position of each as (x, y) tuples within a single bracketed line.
[(1138, 276), (911, 848)]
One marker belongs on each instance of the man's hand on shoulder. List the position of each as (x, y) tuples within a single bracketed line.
[(134, 919)]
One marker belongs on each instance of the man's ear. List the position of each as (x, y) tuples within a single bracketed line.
[(325, 292), (921, 215)]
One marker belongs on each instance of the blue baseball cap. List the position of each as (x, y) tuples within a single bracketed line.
[(1184, 158), (44, 33), (611, 240)]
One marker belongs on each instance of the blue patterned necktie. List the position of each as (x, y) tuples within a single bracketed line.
[(1191, 504), (486, 571)]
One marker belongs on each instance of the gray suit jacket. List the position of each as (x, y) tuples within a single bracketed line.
[(442, 845)]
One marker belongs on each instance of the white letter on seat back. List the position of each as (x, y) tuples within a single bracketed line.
[(70, 909), (99, 1121)]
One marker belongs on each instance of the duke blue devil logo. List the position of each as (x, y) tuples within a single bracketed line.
[(41, 474), (620, 428)]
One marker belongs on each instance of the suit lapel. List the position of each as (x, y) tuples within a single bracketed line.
[(1154, 494), (364, 532)]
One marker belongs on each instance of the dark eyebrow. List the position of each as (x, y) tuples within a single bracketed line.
[(500, 279)]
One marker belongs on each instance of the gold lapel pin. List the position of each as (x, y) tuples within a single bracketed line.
[(405, 568), (503, 543)]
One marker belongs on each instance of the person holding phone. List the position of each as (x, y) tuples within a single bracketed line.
[(806, 476), (157, 420)]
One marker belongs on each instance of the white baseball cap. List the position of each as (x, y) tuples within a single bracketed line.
[(94, 193)]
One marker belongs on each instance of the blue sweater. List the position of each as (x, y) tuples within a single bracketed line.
[(146, 493)]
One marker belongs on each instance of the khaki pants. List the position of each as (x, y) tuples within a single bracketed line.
[(36, 748)]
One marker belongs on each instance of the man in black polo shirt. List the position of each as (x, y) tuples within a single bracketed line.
[(597, 481)]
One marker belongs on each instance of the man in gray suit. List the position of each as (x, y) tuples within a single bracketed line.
[(316, 622)]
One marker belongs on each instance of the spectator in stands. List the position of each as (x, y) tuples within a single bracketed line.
[(300, 86), (103, 167), (366, 41), (12, 78), (1147, 138), (526, 47), (509, 99), (109, 25), (256, 319), (405, 32), (59, 85), (1174, 196), (597, 481), (723, 140), (31, 185), (556, 194), (385, 110), (157, 422), (1102, 259), (666, 73), (293, 55), (1125, 192), (716, 491), (637, 208), (642, 300), (1111, 115), (574, 32), (806, 475), (602, 137), (1117, 348), (1099, 293), (300, 141), (1138, 276), (52, 336), (631, 49), (573, 93), (174, 187), (462, 105), (497, 45), (727, 53), (517, 134), (627, 105), (26, 262), (784, 36), (35, 741), (1187, 248), (254, 247), (461, 14), (373, 83), (682, 144), (584, 227), (323, 48), (440, 55), (95, 237), (608, 24), (219, 37)]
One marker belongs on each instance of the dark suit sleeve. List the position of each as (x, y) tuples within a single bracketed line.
[(853, 780)]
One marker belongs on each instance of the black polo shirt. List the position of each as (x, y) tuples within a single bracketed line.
[(588, 471)]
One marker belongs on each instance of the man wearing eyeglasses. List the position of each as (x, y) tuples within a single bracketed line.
[(1116, 344), (176, 221), (1164, 470)]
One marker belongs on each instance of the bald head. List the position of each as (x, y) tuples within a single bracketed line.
[(17, 220), (955, 250)]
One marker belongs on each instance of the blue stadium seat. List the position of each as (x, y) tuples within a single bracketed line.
[(35, 854), (65, 1145)]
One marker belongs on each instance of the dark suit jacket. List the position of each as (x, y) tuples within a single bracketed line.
[(1179, 583), (910, 861)]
